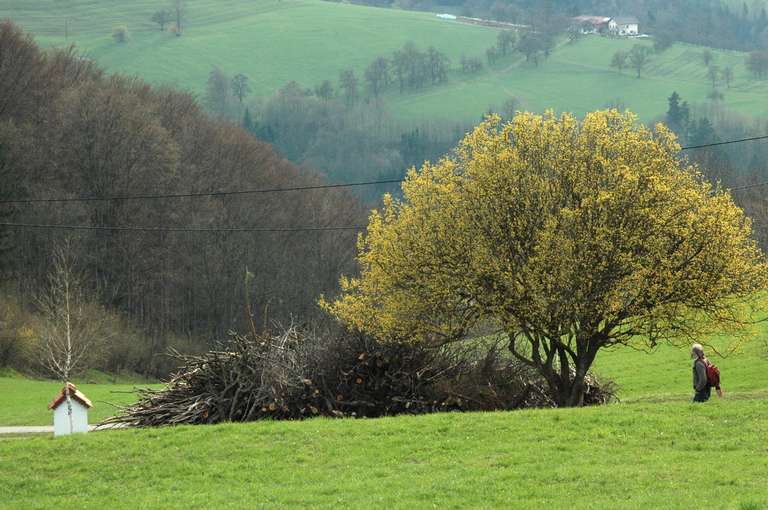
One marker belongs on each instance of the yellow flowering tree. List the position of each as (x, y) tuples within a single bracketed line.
[(567, 236)]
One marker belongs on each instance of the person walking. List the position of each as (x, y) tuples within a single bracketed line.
[(701, 382)]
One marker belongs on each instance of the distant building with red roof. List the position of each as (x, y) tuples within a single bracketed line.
[(592, 24)]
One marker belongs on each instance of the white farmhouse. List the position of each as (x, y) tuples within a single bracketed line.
[(62, 425), (624, 26)]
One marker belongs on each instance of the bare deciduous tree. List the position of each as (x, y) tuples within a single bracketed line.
[(240, 87), (727, 74), (713, 73), (70, 331), (162, 17), (638, 57)]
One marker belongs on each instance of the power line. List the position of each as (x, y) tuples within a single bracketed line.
[(715, 144), (276, 190), (180, 229), (243, 192), (749, 186), (197, 195)]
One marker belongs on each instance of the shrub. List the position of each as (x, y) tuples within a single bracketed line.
[(120, 34), (18, 343), (715, 95)]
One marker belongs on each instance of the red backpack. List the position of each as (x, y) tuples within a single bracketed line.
[(713, 374)]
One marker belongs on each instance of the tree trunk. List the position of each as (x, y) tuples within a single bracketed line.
[(566, 384), (568, 391), (569, 387), (576, 394)]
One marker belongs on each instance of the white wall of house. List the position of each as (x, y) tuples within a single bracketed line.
[(630, 29), (623, 28), (61, 419)]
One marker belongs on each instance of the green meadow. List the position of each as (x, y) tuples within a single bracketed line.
[(651, 455), (653, 450), (274, 41), (271, 41), (24, 401), (577, 77)]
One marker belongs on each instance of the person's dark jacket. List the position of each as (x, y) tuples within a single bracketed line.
[(700, 381)]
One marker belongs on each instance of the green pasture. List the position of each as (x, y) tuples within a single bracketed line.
[(24, 401), (577, 77), (271, 41), (274, 41), (653, 450), (670, 455), (665, 375)]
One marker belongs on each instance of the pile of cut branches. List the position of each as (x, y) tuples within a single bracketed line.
[(299, 374)]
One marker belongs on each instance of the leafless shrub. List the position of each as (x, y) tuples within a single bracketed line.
[(120, 34)]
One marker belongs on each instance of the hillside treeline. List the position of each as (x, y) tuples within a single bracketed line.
[(342, 129), (740, 166), (69, 130), (348, 143)]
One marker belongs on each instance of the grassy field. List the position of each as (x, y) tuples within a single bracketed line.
[(653, 450), (665, 374), (271, 41), (672, 455), (25, 401), (577, 78), (274, 41)]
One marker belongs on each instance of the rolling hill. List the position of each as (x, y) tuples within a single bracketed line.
[(271, 41), (274, 41)]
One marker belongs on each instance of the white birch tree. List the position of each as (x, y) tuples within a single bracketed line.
[(72, 327)]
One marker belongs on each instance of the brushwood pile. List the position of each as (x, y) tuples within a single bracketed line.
[(300, 374)]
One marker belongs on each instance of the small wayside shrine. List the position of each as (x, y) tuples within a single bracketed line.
[(63, 424)]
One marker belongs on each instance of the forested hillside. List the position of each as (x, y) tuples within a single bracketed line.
[(308, 78), (68, 130)]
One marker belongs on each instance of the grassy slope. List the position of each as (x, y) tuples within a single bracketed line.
[(623, 456), (577, 77), (665, 374), (656, 451), (273, 41)]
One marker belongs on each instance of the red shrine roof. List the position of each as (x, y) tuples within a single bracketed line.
[(74, 394)]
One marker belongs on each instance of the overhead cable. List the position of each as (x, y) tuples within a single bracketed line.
[(178, 229), (273, 190)]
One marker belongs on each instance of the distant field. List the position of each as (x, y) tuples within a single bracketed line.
[(577, 78), (271, 41), (274, 41)]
